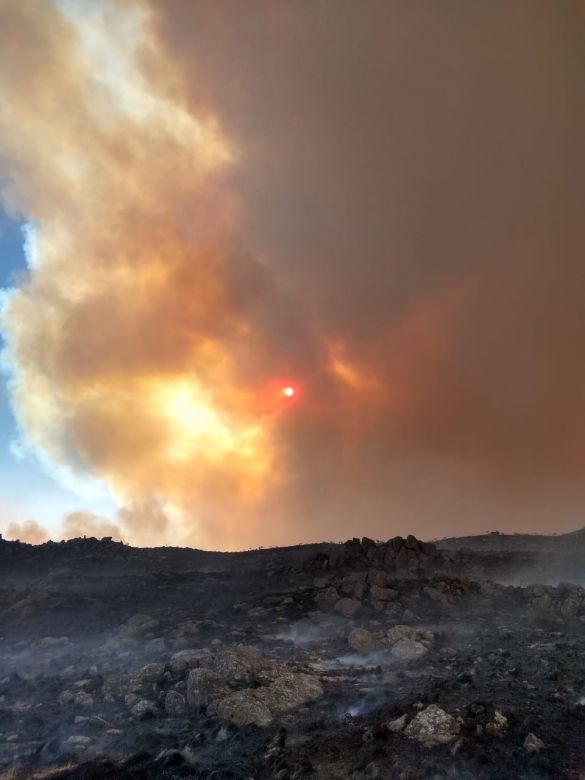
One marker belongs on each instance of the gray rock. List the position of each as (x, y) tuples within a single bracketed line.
[(84, 699), (397, 725), (144, 708), (78, 741), (354, 585), (409, 649), (348, 607), (188, 628), (433, 726), (436, 595), (378, 577), (533, 744), (54, 641), (361, 640), (137, 626), (238, 663), (498, 726), (174, 703), (152, 673), (411, 543), (188, 659), (66, 697), (204, 686), (403, 631), (290, 691), (326, 599), (243, 708), (383, 594)]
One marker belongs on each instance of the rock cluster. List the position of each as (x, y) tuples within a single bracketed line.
[(402, 555)]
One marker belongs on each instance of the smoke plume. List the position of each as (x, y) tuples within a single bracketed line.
[(378, 205)]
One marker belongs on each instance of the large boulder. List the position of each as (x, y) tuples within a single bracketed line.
[(433, 726), (408, 643), (290, 691), (204, 686), (152, 673), (238, 663), (242, 708), (381, 597), (326, 599), (354, 585), (188, 659)]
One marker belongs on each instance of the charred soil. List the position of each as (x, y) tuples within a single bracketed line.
[(398, 659)]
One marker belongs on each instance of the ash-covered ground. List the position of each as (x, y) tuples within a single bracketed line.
[(399, 659)]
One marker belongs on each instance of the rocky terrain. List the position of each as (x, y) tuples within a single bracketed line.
[(398, 659)]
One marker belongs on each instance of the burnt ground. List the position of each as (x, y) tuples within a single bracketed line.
[(377, 660)]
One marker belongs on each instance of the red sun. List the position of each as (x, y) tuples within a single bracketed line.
[(280, 393)]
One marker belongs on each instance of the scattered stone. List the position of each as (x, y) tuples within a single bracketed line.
[(498, 726), (348, 607), (54, 641), (152, 673), (83, 699), (433, 726), (144, 708), (137, 626), (533, 744), (326, 599), (66, 697), (78, 741), (408, 643), (361, 640), (409, 649), (397, 725)]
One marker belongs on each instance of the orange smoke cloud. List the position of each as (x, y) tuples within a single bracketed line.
[(131, 336), (74, 524), (28, 531)]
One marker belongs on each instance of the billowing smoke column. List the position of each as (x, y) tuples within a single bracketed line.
[(378, 207), (131, 346)]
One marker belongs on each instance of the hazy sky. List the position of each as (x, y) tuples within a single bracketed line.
[(379, 204)]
